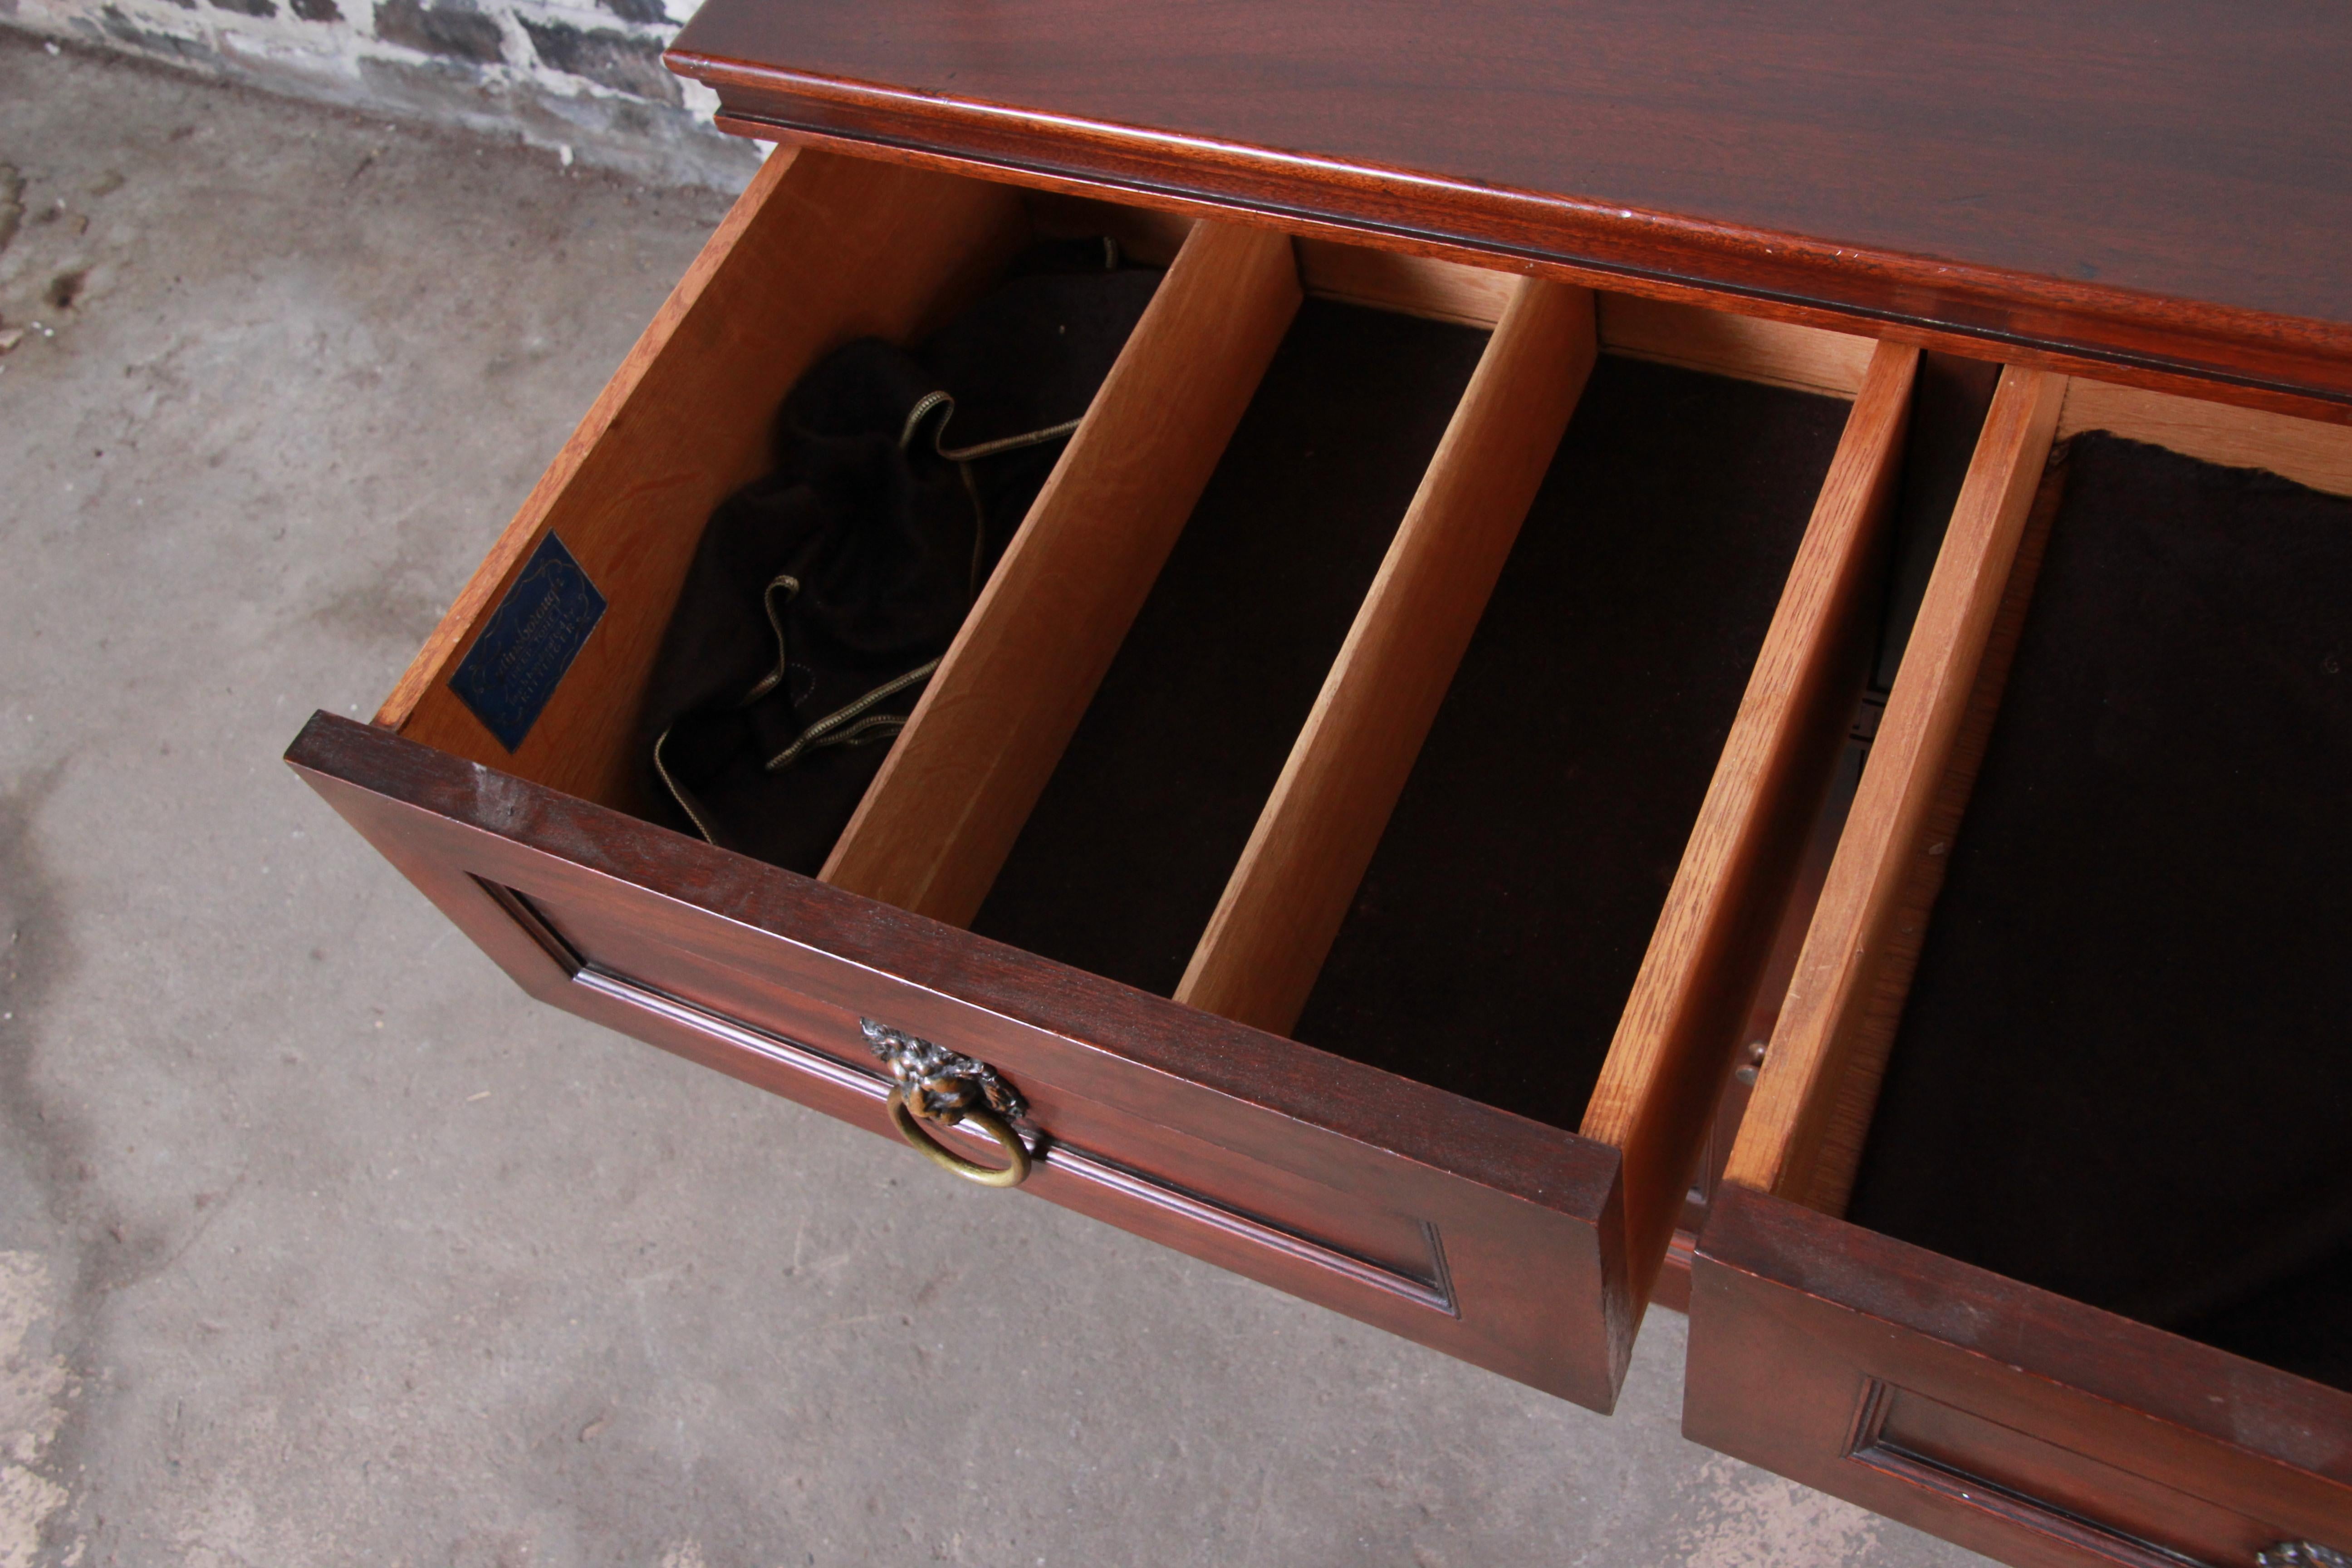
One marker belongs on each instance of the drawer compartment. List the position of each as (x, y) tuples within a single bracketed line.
[(2039, 1230), (1254, 646), (1211, 684)]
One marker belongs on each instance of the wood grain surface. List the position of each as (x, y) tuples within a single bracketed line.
[(2160, 185), (1824, 1179), (941, 816), (1273, 925), (1847, 946), (1413, 285), (1721, 342), (1527, 1246), (868, 250), (2305, 451), (1672, 1050), (2018, 1424)]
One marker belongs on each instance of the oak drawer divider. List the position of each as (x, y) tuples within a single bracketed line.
[(939, 819), (1778, 1140), (1273, 927), (1670, 1056)]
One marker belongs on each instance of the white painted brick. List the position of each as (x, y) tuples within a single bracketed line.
[(419, 59)]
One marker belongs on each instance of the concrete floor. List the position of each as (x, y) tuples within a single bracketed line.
[(318, 1244)]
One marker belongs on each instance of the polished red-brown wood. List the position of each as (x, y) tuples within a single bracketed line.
[(2153, 193), (2017, 1423), (2157, 188), (1492, 1237)]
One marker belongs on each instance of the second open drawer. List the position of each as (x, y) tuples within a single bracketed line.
[(1355, 813), (2035, 1233)]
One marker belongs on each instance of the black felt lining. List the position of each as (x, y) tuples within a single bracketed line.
[(2124, 1072), (1495, 936), (1124, 857)]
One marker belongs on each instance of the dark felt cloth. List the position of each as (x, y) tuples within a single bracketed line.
[(1950, 395), (1127, 851), (2124, 1072), (1493, 942), (884, 541)]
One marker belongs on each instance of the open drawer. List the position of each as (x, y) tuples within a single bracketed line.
[(1353, 814), (2035, 1235)]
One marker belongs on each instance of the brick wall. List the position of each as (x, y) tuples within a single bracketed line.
[(582, 78)]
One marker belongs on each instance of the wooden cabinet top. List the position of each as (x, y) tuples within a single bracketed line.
[(2154, 186)]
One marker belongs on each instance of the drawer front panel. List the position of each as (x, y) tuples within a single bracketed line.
[(1490, 1237), (727, 985), (1938, 1447), (1091, 1183), (2016, 1423)]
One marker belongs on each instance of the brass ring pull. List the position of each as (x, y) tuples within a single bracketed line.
[(930, 1083), (1016, 1169)]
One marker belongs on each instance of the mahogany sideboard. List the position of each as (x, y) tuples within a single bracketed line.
[(1787, 308)]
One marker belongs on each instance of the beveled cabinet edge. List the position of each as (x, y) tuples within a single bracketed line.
[(2288, 364), (406, 797)]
